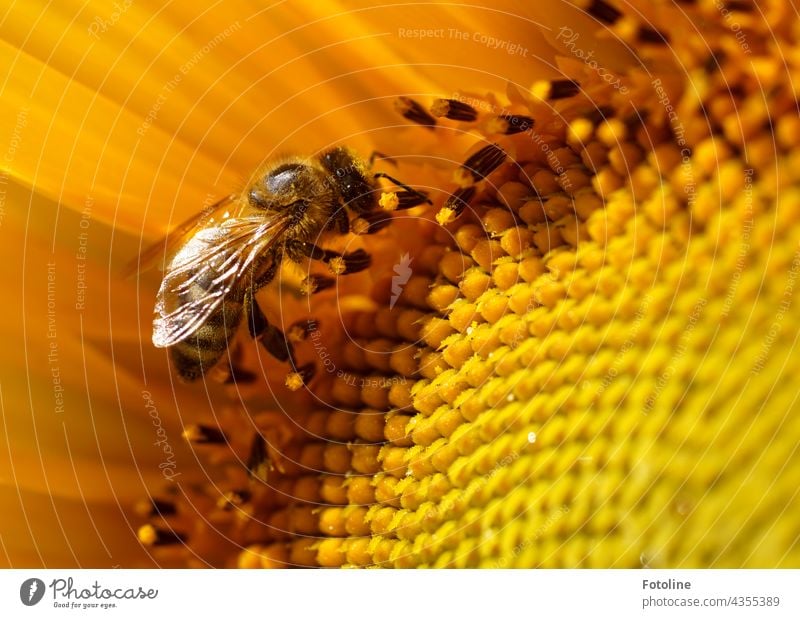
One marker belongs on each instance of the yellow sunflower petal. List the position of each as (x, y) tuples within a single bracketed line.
[(147, 120)]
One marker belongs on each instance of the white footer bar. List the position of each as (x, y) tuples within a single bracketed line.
[(400, 594)]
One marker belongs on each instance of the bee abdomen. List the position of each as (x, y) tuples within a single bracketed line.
[(194, 356)]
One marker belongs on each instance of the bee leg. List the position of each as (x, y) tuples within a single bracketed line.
[(339, 263), (232, 372), (268, 275), (408, 197), (238, 375), (339, 221), (259, 327), (371, 222), (275, 342), (379, 155), (270, 336)]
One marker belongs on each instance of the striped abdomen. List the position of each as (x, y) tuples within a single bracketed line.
[(194, 356)]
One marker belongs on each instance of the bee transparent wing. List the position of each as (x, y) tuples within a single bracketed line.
[(205, 270), (159, 250)]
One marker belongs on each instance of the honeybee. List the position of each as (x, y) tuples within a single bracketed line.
[(226, 254)]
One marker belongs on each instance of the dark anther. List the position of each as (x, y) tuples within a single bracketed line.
[(236, 497), (714, 61), (599, 114), (356, 261), (422, 196), (160, 537), (485, 161), (300, 330), (410, 199), (516, 123), (258, 459), (159, 506), (454, 110), (563, 89), (204, 434), (603, 11), (742, 6), (460, 199), (306, 372), (316, 283), (651, 35), (413, 111)]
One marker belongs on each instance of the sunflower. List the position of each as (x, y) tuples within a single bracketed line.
[(580, 355)]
